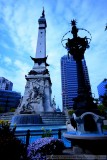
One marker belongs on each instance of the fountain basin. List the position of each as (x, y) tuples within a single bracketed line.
[(93, 142), (89, 136)]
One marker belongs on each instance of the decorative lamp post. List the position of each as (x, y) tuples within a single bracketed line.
[(86, 119), (76, 46)]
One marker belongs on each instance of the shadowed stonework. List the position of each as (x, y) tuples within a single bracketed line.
[(86, 119)]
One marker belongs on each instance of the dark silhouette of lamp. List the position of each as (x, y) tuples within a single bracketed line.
[(76, 46)]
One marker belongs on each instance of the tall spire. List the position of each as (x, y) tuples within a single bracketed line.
[(43, 13), (41, 41)]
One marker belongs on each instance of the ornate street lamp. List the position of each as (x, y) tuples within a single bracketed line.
[(76, 46)]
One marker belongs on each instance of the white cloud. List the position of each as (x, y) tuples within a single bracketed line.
[(17, 21), (23, 67), (7, 60)]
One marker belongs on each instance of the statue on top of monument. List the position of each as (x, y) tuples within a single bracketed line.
[(54, 104)]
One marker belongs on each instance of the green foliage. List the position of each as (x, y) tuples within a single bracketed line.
[(105, 127), (11, 148), (1, 110), (4, 123), (104, 98), (70, 112), (46, 133), (12, 109), (102, 109)]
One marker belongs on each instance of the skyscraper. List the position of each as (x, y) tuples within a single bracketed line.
[(69, 80), (9, 99), (102, 87)]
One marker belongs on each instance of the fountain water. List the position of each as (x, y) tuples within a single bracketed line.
[(26, 119), (86, 118)]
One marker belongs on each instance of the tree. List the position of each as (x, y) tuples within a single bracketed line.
[(103, 102), (11, 147), (104, 98)]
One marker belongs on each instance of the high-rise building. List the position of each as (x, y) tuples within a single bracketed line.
[(102, 88), (69, 80), (9, 99), (5, 84)]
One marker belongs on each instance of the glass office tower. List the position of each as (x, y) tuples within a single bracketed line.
[(69, 80), (8, 99), (102, 88)]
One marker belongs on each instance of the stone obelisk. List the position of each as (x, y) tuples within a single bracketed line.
[(37, 95)]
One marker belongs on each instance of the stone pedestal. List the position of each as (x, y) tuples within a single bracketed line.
[(37, 95)]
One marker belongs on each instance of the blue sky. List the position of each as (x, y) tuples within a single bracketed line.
[(18, 38)]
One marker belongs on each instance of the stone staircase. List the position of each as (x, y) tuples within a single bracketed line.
[(57, 118), (6, 116), (48, 118)]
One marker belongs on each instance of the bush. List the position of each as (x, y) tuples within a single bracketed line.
[(45, 146), (46, 133), (10, 147), (70, 112), (4, 123), (1, 110), (12, 109)]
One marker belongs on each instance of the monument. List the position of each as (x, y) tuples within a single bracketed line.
[(37, 95), (36, 101), (86, 119)]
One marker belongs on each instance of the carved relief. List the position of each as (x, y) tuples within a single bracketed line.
[(36, 92), (34, 96)]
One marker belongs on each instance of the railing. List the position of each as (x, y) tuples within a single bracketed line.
[(29, 133)]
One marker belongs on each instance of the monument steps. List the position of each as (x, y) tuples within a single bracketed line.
[(47, 118), (6, 116), (54, 118)]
